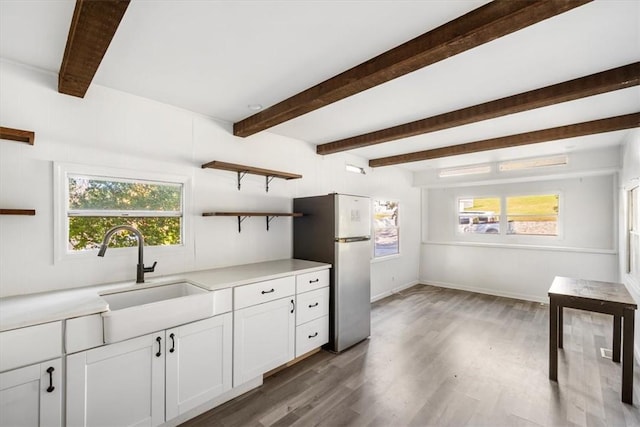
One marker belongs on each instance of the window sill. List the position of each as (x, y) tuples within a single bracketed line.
[(525, 247), (384, 258)]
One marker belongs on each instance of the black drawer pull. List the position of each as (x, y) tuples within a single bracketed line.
[(314, 335), (315, 304), (314, 281), (159, 341), (293, 306), (50, 372), (173, 343), (268, 292)]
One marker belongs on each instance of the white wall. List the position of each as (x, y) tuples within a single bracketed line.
[(522, 266), (629, 177), (114, 129)]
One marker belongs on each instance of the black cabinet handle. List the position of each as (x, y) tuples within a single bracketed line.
[(293, 306), (50, 372), (268, 292), (313, 305), (159, 341), (314, 335), (173, 343), (314, 281)]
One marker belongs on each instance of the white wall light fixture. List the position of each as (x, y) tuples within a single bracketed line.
[(355, 169), (538, 162), (465, 170)]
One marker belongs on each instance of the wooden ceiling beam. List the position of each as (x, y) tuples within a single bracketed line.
[(482, 25), (93, 26), (562, 132), (594, 84)]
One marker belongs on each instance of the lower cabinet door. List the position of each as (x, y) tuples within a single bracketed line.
[(120, 384), (198, 363), (264, 338), (32, 396)]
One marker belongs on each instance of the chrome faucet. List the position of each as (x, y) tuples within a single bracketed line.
[(141, 269)]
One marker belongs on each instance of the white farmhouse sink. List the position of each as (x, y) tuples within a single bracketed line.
[(136, 312)]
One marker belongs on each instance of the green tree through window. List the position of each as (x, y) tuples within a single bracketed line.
[(96, 204)]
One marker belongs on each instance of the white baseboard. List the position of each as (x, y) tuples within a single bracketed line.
[(487, 291), (394, 291)]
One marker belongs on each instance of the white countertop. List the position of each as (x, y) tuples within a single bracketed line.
[(27, 310), (220, 278)]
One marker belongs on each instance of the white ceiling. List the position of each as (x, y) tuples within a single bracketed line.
[(217, 57)]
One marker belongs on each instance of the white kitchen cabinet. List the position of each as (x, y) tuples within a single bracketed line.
[(121, 384), (199, 367), (32, 395), (264, 338), (312, 317), (128, 383)]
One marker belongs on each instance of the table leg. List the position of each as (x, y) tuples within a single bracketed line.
[(553, 340), (617, 321), (560, 326), (627, 356)]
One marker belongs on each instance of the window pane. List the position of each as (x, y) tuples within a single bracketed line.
[(102, 194), (87, 232), (479, 215), (386, 242), (533, 215), (385, 225)]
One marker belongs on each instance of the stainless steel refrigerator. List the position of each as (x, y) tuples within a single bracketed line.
[(336, 229)]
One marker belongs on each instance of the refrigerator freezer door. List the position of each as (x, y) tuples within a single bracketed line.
[(353, 216), (352, 294)]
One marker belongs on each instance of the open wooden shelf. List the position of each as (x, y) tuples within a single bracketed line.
[(30, 212), (26, 136), (242, 170), (244, 215)]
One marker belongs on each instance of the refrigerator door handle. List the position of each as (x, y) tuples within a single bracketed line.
[(352, 239)]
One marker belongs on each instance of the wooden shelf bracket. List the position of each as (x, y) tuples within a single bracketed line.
[(240, 176), (240, 219), (269, 219), (268, 179)]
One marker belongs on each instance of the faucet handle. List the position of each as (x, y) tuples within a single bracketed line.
[(150, 269)]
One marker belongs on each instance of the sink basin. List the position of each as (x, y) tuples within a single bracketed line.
[(135, 312)]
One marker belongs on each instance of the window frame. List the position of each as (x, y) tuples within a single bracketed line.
[(632, 219), (62, 172), (503, 236), (374, 228)]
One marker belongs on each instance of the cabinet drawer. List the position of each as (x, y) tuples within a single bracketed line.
[(25, 346), (312, 335), (312, 305), (269, 290), (310, 281)]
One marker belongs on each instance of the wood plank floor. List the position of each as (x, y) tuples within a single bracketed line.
[(442, 357)]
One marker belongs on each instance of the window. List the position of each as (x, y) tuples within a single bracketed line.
[(479, 215), (633, 263), (92, 202), (533, 215), (385, 228)]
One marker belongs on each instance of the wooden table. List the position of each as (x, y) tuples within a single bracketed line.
[(601, 297)]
